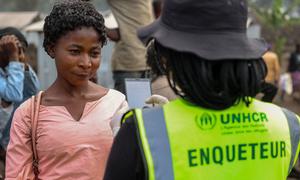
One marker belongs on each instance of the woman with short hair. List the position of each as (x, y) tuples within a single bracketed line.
[(74, 132)]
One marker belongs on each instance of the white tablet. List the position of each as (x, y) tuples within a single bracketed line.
[(137, 91)]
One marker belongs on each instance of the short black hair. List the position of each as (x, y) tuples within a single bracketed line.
[(70, 15), (213, 84)]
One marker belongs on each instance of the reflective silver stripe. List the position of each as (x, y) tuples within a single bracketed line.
[(158, 140), (294, 133)]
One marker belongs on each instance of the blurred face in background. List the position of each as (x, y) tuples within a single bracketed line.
[(9, 45)]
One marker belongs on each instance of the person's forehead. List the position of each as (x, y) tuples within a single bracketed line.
[(80, 35)]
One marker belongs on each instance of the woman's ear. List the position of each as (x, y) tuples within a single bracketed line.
[(51, 51)]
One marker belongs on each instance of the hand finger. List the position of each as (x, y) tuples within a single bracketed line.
[(159, 98), (156, 99), (10, 41), (6, 37), (9, 38), (150, 100)]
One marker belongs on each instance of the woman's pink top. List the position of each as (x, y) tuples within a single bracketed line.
[(67, 149)]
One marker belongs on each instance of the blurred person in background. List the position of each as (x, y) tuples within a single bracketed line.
[(294, 60), (24, 81), (270, 86), (30, 83), (11, 81), (74, 132), (129, 55), (294, 70), (217, 71), (159, 83), (11, 68)]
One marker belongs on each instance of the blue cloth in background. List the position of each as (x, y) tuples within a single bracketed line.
[(11, 82), (31, 87)]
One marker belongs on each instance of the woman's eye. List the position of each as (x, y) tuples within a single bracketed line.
[(74, 52), (95, 54)]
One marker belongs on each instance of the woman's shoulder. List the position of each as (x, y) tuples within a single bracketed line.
[(107, 92), (112, 93), (25, 107), (22, 115), (115, 99), (110, 97)]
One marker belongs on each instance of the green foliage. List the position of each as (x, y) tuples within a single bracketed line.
[(276, 19)]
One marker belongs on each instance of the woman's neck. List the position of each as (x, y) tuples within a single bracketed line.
[(70, 90)]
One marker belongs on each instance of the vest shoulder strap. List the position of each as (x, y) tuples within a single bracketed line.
[(294, 128), (126, 115), (154, 142)]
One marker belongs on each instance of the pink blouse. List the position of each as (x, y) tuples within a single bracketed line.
[(67, 149)]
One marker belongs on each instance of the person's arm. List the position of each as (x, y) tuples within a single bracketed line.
[(19, 156), (276, 69), (125, 160), (11, 83), (31, 83), (113, 34)]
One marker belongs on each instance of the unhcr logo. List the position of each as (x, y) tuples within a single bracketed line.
[(206, 121)]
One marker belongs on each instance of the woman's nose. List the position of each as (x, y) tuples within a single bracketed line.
[(85, 61)]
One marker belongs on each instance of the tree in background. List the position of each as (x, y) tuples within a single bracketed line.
[(275, 17)]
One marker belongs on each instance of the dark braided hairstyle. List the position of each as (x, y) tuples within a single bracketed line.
[(70, 15), (153, 61), (213, 84)]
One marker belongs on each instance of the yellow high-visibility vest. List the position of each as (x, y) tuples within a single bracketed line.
[(185, 142)]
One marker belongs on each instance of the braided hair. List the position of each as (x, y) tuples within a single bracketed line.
[(213, 84), (70, 15)]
